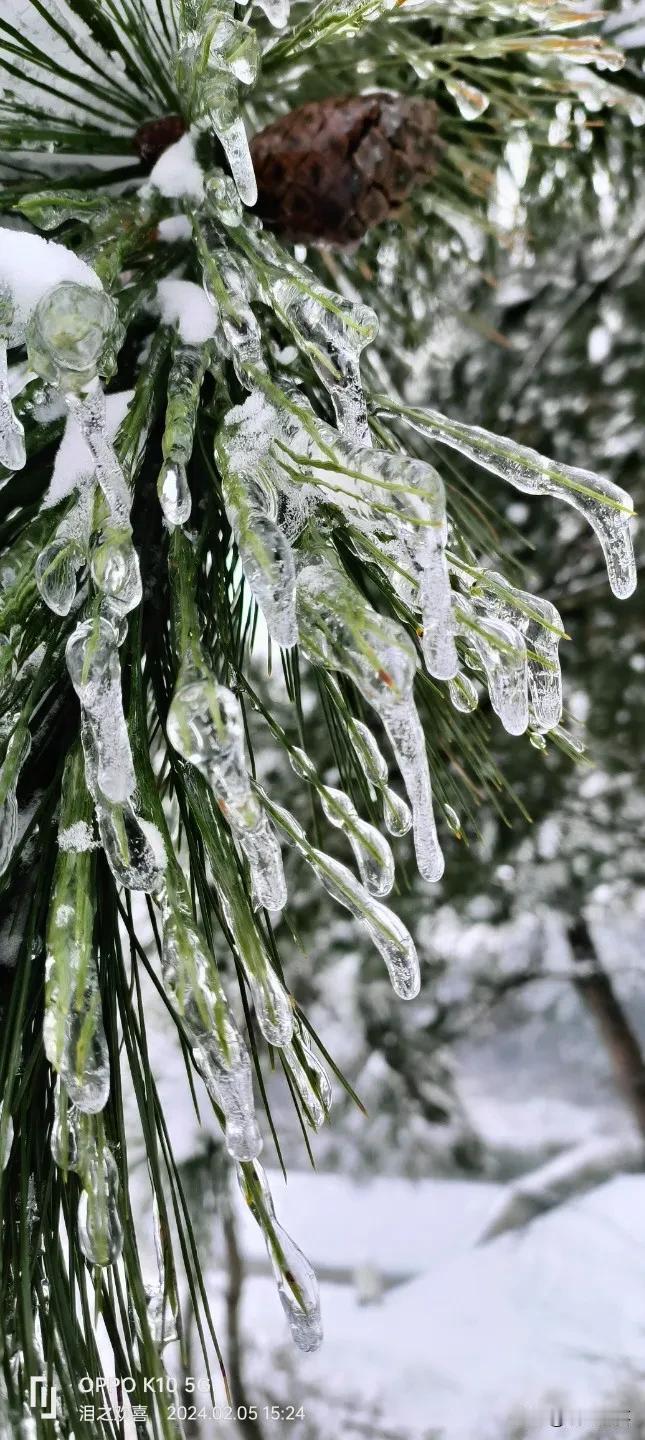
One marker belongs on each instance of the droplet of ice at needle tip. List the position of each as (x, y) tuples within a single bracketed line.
[(295, 1279)]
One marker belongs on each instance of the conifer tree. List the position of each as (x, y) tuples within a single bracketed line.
[(224, 238)]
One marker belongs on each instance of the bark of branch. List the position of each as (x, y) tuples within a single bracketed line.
[(597, 993)]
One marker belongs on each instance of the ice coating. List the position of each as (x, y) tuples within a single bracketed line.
[(251, 501), (605, 507), (216, 53), (191, 982), (332, 335), (339, 629), (93, 664), (463, 693), (396, 813), (56, 572), (30, 266), (16, 753), (161, 1306), (74, 1037), (183, 392), (99, 1225), (469, 99), (276, 11), (114, 563), (384, 928), (270, 999), (12, 435), (372, 852), (500, 649), (540, 624), (312, 1104), (286, 461), (295, 1279), (205, 725)]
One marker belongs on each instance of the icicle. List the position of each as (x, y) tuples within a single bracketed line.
[(314, 1109), (339, 628), (463, 693), (228, 286), (500, 649), (216, 51), (606, 507), (397, 815), (384, 928), (251, 504), (184, 387), (93, 663), (12, 435), (161, 1307), (99, 1226), (220, 1055), (332, 332), (373, 855), (16, 753), (205, 725), (115, 563), (74, 1036), (540, 624), (295, 1279), (271, 1001)]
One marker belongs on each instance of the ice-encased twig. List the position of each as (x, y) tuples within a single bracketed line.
[(184, 388), (16, 753), (191, 981), (74, 1036), (605, 507), (371, 850), (295, 1279)]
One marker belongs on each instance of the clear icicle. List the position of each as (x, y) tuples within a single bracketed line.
[(384, 928), (161, 1306), (133, 847), (397, 815), (500, 649), (16, 753), (115, 563), (373, 855), (332, 336), (205, 725), (309, 1077), (340, 629), (271, 1001), (605, 507), (99, 1226), (74, 1036), (251, 502), (12, 435), (540, 624), (216, 52), (93, 664), (228, 285), (295, 1279), (184, 387), (191, 981)]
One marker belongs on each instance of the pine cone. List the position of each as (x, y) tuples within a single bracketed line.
[(329, 170), (155, 136)]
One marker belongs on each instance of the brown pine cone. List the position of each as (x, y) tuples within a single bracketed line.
[(329, 170), (155, 136)]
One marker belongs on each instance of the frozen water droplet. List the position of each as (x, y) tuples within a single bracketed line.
[(56, 572), (501, 651), (313, 1106), (396, 813), (272, 1004), (295, 1279), (453, 821), (470, 100), (72, 335), (276, 11), (115, 570), (373, 855), (6, 1137), (183, 393), (174, 492), (99, 1227), (463, 693)]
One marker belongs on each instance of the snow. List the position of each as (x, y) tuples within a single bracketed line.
[(30, 266), (553, 1314), (185, 305), (74, 459), (174, 227), (177, 175)]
